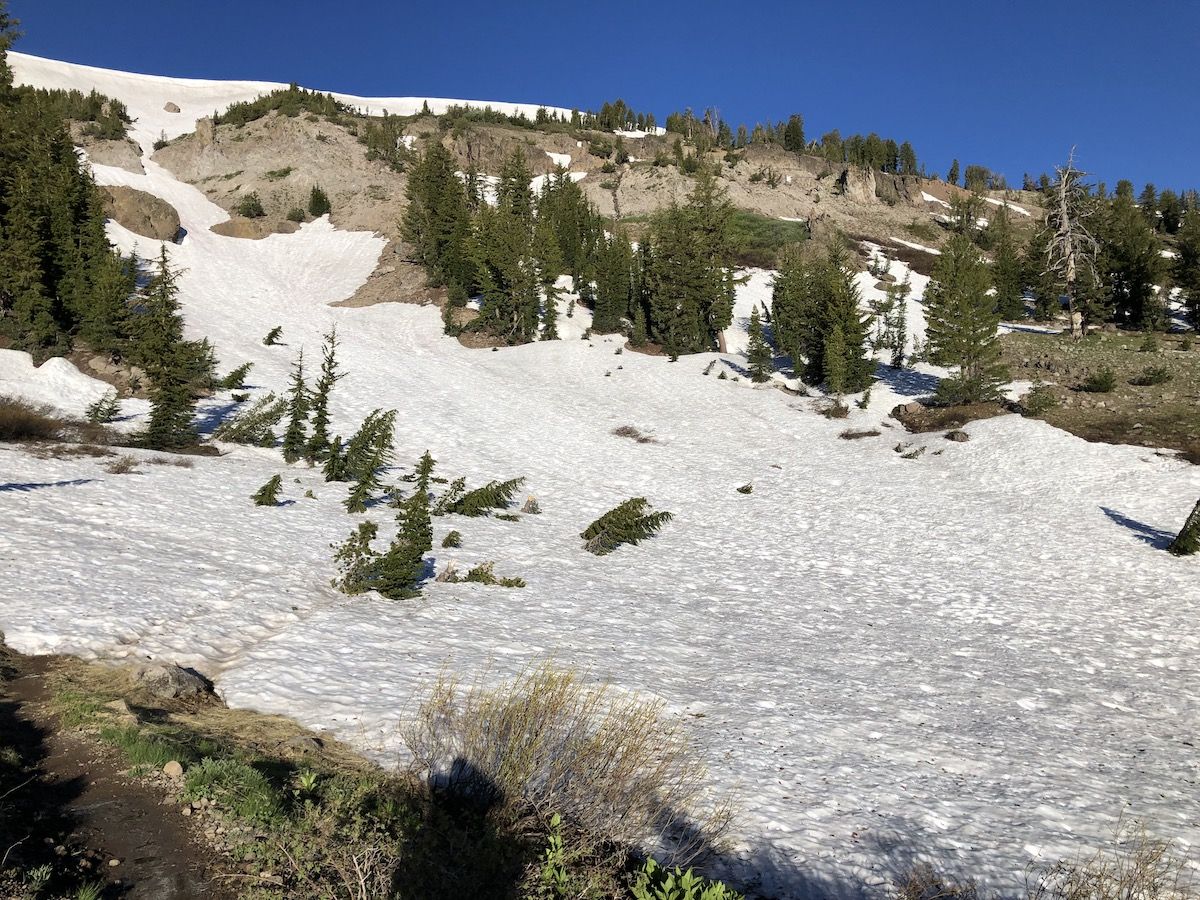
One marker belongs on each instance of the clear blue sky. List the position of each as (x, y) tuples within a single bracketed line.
[(1010, 84)]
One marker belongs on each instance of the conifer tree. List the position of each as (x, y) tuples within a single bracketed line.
[(268, 494), (961, 325), (298, 406), (1187, 542), (1187, 266), (793, 135), (759, 351), (1007, 268), (318, 443), (952, 175), (1130, 263), (177, 369)]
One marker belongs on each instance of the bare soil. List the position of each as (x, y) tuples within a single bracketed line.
[(99, 820)]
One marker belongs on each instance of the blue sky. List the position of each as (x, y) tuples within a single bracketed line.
[(1009, 84)]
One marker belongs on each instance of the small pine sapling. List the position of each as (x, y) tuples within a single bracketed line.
[(335, 461), (759, 351), (367, 454), (453, 493), (104, 410), (268, 494), (453, 539), (495, 495), (423, 472), (273, 336), (235, 380), (318, 444), (254, 426), (630, 522), (355, 560), (294, 436)]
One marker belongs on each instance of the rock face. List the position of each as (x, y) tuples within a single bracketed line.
[(171, 682), (253, 229), (858, 184), (958, 436), (123, 154), (170, 107), (141, 213)]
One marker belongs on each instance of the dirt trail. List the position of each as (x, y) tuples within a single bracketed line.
[(108, 812)]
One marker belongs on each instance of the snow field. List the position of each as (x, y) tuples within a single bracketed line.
[(979, 658)]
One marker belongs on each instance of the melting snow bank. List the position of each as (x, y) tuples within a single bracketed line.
[(55, 383)]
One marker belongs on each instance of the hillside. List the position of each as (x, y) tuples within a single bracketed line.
[(894, 649)]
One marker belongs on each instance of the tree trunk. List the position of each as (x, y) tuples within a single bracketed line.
[(1187, 541)]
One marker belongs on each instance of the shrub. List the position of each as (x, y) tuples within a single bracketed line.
[(1151, 376), (296, 214), (611, 764), (852, 434), (629, 431), (1102, 382), (1040, 400), (484, 574), (923, 882), (279, 174), (453, 539), (629, 522), (254, 426), (273, 336), (22, 421), (123, 465), (318, 202), (1140, 867), (250, 207), (1149, 343)]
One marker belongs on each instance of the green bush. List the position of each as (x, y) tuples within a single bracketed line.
[(629, 522), (1101, 382), (1151, 376), (453, 539), (1039, 400), (250, 207), (318, 202), (296, 214), (653, 882), (495, 495)]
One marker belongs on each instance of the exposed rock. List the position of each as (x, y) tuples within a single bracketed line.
[(253, 229), (123, 153), (171, 682), (958, 436), (141, 213), (857, 184), (304, 743), (170, 107), (205, 132), (912, 408), (173, 769), (123, 713)]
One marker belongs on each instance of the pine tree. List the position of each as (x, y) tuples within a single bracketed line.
[(952, 175), (268, 494), (298, 406), (759, 351), (1007, 268), (1187, 542), (318, 444), (177, 369), (630, 522), (1130, 263), (318, 202), (1187, 266), (962, 323), (793, 135)]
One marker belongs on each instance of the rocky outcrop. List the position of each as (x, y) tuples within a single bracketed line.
[(141, 213), (857, 184), (122, 154), (253, 229), (170, 107), (171, 682)]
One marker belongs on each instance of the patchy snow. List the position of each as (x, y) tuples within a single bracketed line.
[(636, 133), (55, 382), (1168, 254), (929, 198), (975, 657), (1007, 205), (792, 219), (146, 95), (913, 246), (560, 159)]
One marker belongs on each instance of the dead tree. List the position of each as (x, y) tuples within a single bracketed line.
[(1072, 247)]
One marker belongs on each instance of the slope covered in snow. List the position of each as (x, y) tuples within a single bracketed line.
[(979, 657)]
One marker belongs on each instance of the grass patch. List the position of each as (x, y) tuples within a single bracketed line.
[(758, 239), (852, 434), (279, 174)]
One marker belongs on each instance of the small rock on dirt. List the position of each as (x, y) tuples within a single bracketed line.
[(958, 436), (304, 743), (170, 107), (173, 769)]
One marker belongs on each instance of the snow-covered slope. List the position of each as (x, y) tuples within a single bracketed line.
[(978, 657), (147, 95)]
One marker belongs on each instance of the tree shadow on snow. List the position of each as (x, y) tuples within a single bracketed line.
[(1148, 534), (906, 382), (38, 485)]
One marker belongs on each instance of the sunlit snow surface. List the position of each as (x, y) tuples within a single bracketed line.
[(977, 657)]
